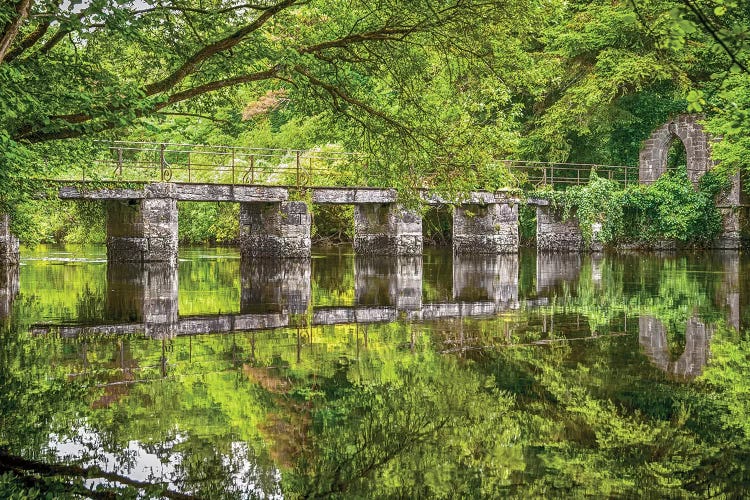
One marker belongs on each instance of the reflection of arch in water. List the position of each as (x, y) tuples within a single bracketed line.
[(652, 335), (8, 288)]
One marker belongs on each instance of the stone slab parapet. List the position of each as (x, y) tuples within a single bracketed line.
[(344, 196)]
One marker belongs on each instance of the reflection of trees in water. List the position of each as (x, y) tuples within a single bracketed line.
[(653, 338)]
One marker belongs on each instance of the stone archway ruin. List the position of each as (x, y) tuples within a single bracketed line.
[(653, 164), (688, 130)]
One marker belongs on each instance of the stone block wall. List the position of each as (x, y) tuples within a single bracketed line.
[(386, 229), (485, 228), (685, 128), (280, 230), (143, 230), (9, 253), (553, 234)]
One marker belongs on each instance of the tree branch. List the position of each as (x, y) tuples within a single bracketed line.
[(28, 41), (76, 121), (703, 20), (22, 12), (219, 46), (337, 93)]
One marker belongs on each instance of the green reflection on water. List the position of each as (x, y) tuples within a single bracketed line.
[(566, 375)]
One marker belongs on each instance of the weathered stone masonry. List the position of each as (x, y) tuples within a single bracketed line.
[(386, 229), (280, 230), (143, 230), (487, 226), (653, 164), (553, 234)]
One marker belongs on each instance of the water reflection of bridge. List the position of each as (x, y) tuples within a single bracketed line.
[(142, 299)]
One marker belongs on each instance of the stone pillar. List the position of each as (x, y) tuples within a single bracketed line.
[(732, 216), (9, 253), (555, 234), (275, 285), (143, 230), (490, 228), (8, 288), (276, 229), (388, 281), (144, 292), (386, 229), (486, 277)]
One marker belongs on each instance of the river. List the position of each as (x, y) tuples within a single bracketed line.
[(344, 376)]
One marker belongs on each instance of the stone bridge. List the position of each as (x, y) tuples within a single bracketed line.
[(142, 220)]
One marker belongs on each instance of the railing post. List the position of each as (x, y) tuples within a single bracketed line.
[(162, 161), (119, 160), (552, 175), (252, 169), (190, 176), (578, 176), (626, 176), (298, 165), (233, 159)]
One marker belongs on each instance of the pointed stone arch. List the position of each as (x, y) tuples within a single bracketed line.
[(685, 128)]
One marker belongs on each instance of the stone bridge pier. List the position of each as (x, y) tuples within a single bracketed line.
[(388, 281), (555, 234), (652, 336), (491, 278), (275, 285), (386, 229), (143, 229), (9, 288), (144, 293), (275, 229), (9, 253), (486, 224)]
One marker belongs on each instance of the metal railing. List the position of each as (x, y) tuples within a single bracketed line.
[(203, 164), (541, 174)]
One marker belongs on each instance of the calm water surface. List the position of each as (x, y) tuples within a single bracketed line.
[(342, 376)]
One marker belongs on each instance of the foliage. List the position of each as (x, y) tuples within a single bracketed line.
[(670, 208)]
